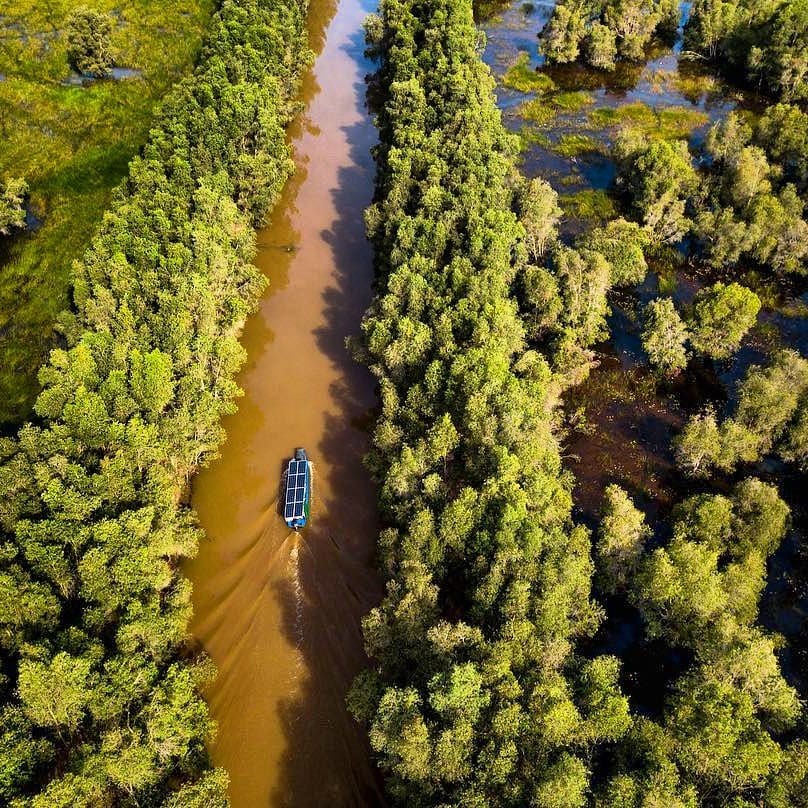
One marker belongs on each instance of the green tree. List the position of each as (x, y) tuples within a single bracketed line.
[(633, 23), (770, 413), (664, 336), (88, 42), (621, 539), (659, 178), (561, 38), (22, 754), (583, 280), (783, 132), (541, 302), (13, 193), (722, 315), (623, 245), (600, 47), (709, 25), (719, 741), (539, 214), (56, 693), (748, 176), (699, 445)]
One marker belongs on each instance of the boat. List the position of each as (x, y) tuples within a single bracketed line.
[(298, 491)]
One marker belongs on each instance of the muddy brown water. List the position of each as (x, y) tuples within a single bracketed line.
[(279, 612)]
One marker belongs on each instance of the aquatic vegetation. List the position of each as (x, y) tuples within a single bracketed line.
[(537, 111), (678, 122), (665, 123), (101, 694), (572, 145), (72, 145), (595, 205), (530, 137), (572, 101), (694, 85), (637, 115), (520, 76)]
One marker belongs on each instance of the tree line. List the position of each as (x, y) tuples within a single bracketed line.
[(480, 692), (760, 42), (602, 32), (763, 43), (477, 695), (99, 688)]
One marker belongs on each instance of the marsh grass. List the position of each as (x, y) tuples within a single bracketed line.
[(574, 145), (594, 205), (522, 77), (529, 137), (72, 144), (537, 111), (572, 101), (666, 123)]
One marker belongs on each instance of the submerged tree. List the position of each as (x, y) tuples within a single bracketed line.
[(722, 315), (600, 47), (660, 179), (539, 213), (562, 36), (621, 539), (771, 414), (664, 336)]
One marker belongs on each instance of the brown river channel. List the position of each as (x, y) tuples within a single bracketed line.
[(279, 612)]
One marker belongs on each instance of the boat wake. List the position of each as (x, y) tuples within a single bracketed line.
[(297, 589)]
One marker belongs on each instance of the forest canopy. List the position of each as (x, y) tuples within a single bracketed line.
[(99, 688)]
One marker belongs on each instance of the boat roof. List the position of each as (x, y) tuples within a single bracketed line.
[(295, 489)]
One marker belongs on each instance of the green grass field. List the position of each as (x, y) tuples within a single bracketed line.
[(72, 145)]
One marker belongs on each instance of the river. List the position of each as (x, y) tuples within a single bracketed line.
[(279, 612)]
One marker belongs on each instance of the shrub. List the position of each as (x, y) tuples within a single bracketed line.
[(88, 42)]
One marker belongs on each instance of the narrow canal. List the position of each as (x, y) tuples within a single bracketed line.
[(280, 612)]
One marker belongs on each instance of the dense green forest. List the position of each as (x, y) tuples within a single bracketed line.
[(485, 688), (478, 696), (526, 652), (100, 689)]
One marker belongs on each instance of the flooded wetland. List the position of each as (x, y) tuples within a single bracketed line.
[(622, 419)]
